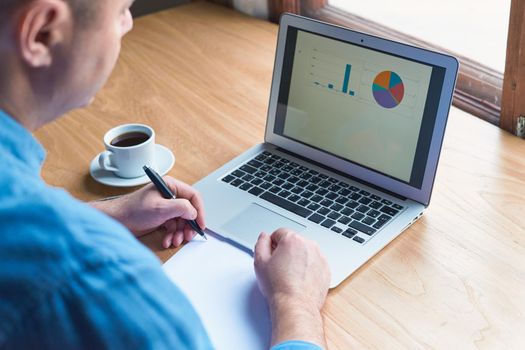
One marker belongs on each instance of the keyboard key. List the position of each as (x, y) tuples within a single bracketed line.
[(332, 180), (363, 228), (295, 198), (344, 185), (321, 191), (326, 202), (334, 188), (247, 168), (305, 176), (352, 204), (238, 173), (315, 179), (316, 218), (331, 195), (323, 210), (247, 177), (323, 176), (398, 207), (342, 200), (328, 223), (350, 232), (347, 211), (269, 178), (275, 189), (386, 202), (375, 197), (307, 194), (375, 205), (302, 183), (334, 215), (336, 229), (336, 207), (368, 221), (246, 186), (379, 224), (384, 217), (228, 178), (353, 188), (358, 216), (303, 202), (284, 194), (312, 187), (362, 209), (303, 168), (237, 182), (355, 196), (293, 179), (314, 206), (257, 181), (266, 185), (358, 239), (344, 220), (256, 191), (389, 210), (255, 163), (275, 171), (317, 198), (365, 200), (297, 189), (287, 186), (283, 203), (364, 193), (373, 213), (278, 182), (284, 176), (325, 184)]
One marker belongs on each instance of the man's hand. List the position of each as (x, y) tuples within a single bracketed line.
[(145, 210), (294, 277)]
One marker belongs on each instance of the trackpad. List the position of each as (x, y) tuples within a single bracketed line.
[(249, 223)]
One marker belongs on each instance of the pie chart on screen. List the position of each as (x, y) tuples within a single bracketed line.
[(388, 89)]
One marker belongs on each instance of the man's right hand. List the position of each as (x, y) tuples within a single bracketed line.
[(294, 277)]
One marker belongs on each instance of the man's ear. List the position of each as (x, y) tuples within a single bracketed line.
[(42, 25)]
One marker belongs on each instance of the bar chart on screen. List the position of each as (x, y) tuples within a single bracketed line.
[(336, 74)]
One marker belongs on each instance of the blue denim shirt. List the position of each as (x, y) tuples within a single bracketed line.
[(72, 277)]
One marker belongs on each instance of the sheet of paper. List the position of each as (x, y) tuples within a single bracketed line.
[(219, 281)]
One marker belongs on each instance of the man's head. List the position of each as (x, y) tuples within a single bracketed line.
[(56, 54)]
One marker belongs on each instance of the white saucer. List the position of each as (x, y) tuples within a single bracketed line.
[(165, 160)]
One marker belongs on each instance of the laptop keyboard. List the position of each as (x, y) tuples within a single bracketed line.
[(333, 204)]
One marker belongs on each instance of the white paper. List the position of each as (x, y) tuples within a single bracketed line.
[(220, 282)]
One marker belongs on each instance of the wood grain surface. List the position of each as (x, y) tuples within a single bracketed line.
[(200, 76)]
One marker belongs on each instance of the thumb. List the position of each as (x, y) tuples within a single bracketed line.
[(178, 208), (263, 248)]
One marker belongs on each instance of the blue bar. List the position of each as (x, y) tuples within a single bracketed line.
[(330, 86), (347, 78), (352, 93)]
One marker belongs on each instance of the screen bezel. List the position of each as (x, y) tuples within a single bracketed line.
[(449, 63)]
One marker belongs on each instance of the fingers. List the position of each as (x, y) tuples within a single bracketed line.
[(178, 208), (279, 235), (185, 191), (263, 248)]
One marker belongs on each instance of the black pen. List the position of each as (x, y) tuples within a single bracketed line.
[(166, 193)]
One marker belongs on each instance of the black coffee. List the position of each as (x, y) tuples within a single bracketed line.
[(129, 139)]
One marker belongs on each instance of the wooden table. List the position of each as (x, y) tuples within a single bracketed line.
[(200, 76)]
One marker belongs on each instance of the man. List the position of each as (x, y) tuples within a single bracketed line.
[(71, 274)]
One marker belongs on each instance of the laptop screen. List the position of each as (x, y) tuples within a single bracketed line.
[(365, 106)]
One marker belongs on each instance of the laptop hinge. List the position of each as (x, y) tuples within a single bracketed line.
[(338, 172)]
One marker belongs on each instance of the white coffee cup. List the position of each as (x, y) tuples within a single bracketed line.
[(128, 148)]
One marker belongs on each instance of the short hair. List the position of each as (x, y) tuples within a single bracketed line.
[(81, 9)]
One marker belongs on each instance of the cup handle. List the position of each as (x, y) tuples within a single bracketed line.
[(104, 161)]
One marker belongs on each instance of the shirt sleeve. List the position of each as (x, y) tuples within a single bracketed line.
[(296, 345), (112, 305)]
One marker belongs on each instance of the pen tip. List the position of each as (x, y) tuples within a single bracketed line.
[(206, 238)]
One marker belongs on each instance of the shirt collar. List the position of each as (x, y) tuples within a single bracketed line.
[(20, 143)]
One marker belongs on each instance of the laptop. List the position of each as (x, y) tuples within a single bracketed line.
[(354, 131)]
